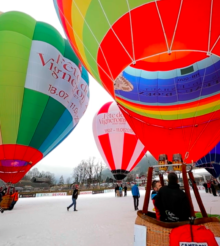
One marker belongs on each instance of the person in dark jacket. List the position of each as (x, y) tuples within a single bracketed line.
[(116, 188), (136, 196), (213, 188), (2, 193), (206, 188), (172, 202), (125, 190), (74, 198)]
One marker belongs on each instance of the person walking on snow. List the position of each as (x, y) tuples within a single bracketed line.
[(136, 196), (125, 190), (74, 198)]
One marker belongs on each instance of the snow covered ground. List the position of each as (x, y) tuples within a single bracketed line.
[(102, 220)]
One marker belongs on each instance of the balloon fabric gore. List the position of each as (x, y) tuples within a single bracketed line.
[(44, 91), (160, 60)]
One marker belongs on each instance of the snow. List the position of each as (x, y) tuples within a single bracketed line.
[(102, 220)]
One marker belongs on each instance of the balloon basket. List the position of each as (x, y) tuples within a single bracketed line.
[(6, 201), (7, 198), (157, 232)]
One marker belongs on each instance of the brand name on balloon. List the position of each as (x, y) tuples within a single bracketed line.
[(112, 118), (61, 68)]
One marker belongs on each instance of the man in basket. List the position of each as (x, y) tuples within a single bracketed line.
[(172, 202)]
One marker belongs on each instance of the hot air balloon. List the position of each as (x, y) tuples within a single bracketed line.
[(43, 92), (211, 161), (160, 61), (118, 145)]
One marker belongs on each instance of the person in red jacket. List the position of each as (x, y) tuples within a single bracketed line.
[(156, 185), (15, 199)]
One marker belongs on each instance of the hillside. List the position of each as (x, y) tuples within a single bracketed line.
[(141, 168)]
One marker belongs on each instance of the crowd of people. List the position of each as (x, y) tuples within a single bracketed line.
[(212, 186), (119, 190)]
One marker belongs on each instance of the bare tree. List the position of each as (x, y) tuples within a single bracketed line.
[(87, 171), (61, 181), (76, 174), (98, 168), (68, 181)]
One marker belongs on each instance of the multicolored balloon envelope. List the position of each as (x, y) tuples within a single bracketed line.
[(160, 60), (211, 161), (43, 92), (118, 145)]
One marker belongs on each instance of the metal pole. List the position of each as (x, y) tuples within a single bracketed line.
[(197, 195), (148, 189), (187, 191)]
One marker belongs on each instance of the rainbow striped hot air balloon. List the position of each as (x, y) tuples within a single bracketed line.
[(43, 92), (160, 61)]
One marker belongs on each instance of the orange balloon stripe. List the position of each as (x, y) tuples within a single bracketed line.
[(173, 107)]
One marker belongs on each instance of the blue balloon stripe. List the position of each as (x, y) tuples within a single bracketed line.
[(57, 133), (59, 140), (201, 83)]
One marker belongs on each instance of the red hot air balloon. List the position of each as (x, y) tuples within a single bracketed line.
[(160, 61), (118, 145)]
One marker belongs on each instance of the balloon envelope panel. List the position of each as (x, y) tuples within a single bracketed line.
[(43, 92), (118, 145), (211, 161), (160, 60)]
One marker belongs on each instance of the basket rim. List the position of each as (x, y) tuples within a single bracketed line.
[(150, 219)]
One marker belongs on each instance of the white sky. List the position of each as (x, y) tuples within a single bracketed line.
[(80, 143)]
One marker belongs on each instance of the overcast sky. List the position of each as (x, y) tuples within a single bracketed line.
[(80, 143)]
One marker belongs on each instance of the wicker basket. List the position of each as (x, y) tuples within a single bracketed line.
[(158, 232), (6, 201)]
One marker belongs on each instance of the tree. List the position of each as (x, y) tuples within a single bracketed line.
[(68, 181), (61, 181), (130, 177), (35, 172)]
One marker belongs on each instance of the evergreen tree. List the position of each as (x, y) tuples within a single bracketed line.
[(61, 181)]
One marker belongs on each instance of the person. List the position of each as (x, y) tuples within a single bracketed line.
[(206, 188), (74, 198), (120, 190), (213, 188), (209, 186), (172, 202), (116, 189), (15, 199), (156, 185), (2, 193), (125, 190), (217, 188), (136, 195)]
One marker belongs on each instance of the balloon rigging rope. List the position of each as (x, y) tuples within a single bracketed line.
[(161, 21), (94, 72), (131, 28), (177, 21), (94, 39), (210, 26)]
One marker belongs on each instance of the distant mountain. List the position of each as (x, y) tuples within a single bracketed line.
[(141, 168)]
